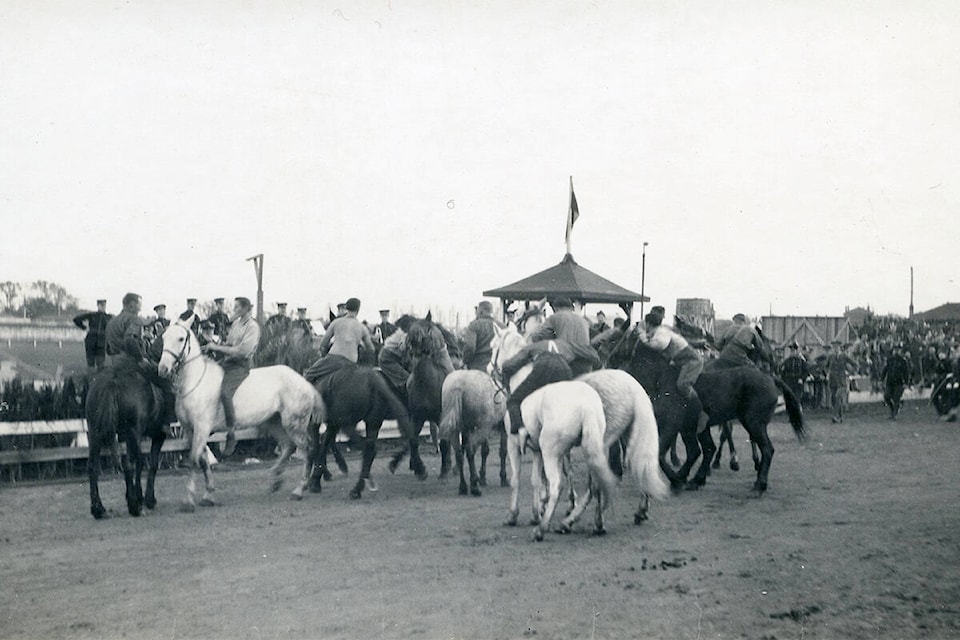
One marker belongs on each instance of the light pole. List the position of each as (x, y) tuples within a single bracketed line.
[(643, 277), (258, 267)]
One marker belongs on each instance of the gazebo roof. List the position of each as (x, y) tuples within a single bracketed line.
[(570, 280)]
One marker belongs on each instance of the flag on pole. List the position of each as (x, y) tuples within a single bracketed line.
[(574, 211)]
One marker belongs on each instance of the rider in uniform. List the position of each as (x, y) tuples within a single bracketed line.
[(128, 353), (237, 353), (219, 320), (95, 342)]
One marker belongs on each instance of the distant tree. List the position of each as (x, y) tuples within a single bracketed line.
[(38, 308), (10, 291)]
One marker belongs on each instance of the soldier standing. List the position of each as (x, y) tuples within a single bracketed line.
[(95, 342)]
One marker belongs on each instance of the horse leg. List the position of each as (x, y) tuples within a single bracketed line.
[(338, 456), (615, 456), (643, 510), (287, 447), (566, 467), (93, 473), (755, 454), (369, 453), (207, 499), (416, 462), (444, 459), (459, 445), (132, 465), (723, 438), (484, 454), (514, 454), (319, 462), (397, 458), (766, 453), (504, 479), (472, 463), (435, 436), (310, 455), (674, 459), (150, 500), (734, 460), (550, 464), (540, 486), (708, 448), (578, 507)]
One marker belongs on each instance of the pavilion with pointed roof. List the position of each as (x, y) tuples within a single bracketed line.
[(567, 279)]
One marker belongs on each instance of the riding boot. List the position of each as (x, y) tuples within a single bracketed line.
[(516, 420), (230, 417)]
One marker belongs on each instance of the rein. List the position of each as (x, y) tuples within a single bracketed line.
[(181, 359)]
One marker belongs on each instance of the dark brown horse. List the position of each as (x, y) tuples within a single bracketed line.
[(122, 407), (745, 394)]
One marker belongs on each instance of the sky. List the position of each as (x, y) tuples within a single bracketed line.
[(789, 158)]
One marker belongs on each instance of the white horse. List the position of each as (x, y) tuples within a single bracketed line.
[(533, 318), (556, 418), (276, 400), (472, 408), (629, 414)]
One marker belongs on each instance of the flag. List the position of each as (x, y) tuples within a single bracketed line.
[(574, 211)]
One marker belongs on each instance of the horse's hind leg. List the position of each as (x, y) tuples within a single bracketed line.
[(287, 447), (444, 458), (514, 453), (397, 458), (369, 453), (150, 500), (643, 510), (484, 454), (309, 458), (708, 448), (459, 453), (472, 463), (578, 507), (93, 473), (131, 475), (504, 479), (551, 472), (338, 457)]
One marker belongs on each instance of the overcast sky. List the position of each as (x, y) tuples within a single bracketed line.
[(789, 157)]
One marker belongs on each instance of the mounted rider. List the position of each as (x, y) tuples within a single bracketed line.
[(559, 350), (393, 358), (477, 337), (340, 346), (675, 348), (127, 351), (739, 345), (236, 353)]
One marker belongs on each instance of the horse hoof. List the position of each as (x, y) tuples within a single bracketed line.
[(511, 520), (692, 486), (99, 514), (370, 485), (207, 502), (296, 496), (504, 482), (640, 518), (188, 507), (136, 512), (354, 494), (327, 476), (344, 469), (537, 535), (716, 465), (599, 531), (463, 490), (392, 466), (150, 503), (563, 529), (275, 486), (475, 491), (734, 465), (422, 475)]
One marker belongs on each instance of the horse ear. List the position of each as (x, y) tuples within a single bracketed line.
[(429, 317)]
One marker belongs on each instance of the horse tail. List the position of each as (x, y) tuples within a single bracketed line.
[(591, 442), (451, 413), (794, 409), (397, 408), (318, 412), (643, 449), (103, 411)]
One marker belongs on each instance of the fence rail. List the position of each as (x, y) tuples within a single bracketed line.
[(22, 453)]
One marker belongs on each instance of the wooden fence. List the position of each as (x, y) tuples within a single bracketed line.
[(26, 443)]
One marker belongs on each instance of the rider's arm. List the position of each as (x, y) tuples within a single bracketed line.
[(366, 340), (324, 346)]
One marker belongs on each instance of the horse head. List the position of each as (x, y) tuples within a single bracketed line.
[(179, 346), (532, 317), (505, 344)]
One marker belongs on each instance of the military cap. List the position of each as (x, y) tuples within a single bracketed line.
[(160, 306), (101, 301), (218, 300), (191, 301)]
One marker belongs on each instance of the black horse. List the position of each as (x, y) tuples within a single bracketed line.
[(742, 393), (427, 348), (123, 407), (354, 393)]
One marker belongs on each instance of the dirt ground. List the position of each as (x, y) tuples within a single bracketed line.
[(858, 537)]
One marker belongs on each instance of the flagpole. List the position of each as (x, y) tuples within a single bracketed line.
[(572, 214)]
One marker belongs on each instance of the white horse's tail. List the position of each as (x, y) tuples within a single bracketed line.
[(591, 441), (318, 413), (643, 450), (451, 411)]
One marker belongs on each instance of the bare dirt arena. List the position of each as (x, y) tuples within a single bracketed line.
[(858, 537)]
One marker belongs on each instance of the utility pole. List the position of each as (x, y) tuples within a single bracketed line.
[(643, 278), (258, 267)]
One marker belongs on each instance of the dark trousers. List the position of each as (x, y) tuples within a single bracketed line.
[(892, 395), (234, 373), (547, 368)]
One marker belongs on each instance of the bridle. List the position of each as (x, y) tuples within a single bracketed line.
[(181, 359)]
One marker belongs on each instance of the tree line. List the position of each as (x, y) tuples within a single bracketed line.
[(37, 299)]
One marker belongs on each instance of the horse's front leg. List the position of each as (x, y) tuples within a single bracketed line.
[(504, 480), (766, 458), (514, 456), (287, 447), (458, 450), (156, 445), (708, 448), (416, 462)]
